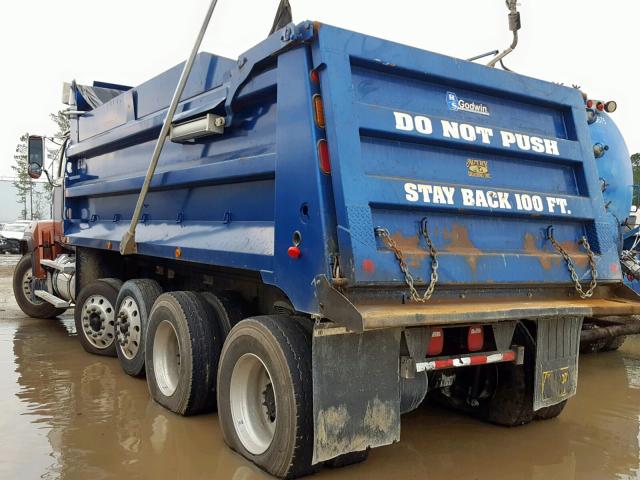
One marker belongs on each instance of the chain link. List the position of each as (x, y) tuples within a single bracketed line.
[(383, 233), (571, 265)]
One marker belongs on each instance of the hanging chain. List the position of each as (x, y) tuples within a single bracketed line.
[(383, 233), (571, 265)]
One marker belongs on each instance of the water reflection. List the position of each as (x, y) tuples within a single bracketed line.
[(99, 423)]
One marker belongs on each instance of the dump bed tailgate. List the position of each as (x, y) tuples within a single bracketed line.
[(489, 158)]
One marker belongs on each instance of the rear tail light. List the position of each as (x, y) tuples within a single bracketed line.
[(475, 339), (323, 156), (318, 111), (436, 342), (315, 77)]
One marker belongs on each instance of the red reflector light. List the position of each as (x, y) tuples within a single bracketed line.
[(294, 252), (315, 78), (436, 342), (323, 156), (319, 111), (475, 339)]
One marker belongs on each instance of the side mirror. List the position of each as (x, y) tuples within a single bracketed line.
[(35, 156)]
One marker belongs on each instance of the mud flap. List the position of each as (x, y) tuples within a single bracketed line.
[(356, 399), (557, 347)]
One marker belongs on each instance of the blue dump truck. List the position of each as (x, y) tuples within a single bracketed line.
[(337, 228)]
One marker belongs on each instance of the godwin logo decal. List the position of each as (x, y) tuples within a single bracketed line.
[(458, 104)]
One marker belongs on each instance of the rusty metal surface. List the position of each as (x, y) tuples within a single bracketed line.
[(487, 310)]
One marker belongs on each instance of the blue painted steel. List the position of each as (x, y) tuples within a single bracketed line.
[(240, 196), (614, 167)]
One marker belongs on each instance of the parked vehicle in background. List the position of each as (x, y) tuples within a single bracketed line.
[(11, 234)]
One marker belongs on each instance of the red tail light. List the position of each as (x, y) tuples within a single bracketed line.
[(323, 155), (436, 342), (315, 78), (475, 339)]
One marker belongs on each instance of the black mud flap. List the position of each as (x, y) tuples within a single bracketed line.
[(557, 348), (356, 400)]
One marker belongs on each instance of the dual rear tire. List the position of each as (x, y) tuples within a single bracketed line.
[(264, 394), (95, 316), (182, 352), (135, 301)]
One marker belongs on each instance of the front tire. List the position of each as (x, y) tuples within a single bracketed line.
[(264, 394), (22, 277), (95, 315)]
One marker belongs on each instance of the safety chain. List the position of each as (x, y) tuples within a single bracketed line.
[(571, 265), (383, 233)]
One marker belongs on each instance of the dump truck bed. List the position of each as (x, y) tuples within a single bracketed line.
[(488, 160)]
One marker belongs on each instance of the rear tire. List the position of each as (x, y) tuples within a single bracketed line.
[(614, 344), (182, 352), (36, 308), (95, 316), (228, 309), (347, 459), (264, 394), (553, 411), (512, 402), (135, 300)]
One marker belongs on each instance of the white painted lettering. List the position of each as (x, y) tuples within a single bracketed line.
[(404, 121), (551, 147), (467, 197), (467, 132), (537, 145), (426, 190), (423, 125), (485, 133), (523, 141), (508, 138), (449, 192), (450, 129), (411, 190)]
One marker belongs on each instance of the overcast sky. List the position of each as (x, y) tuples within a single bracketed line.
[(592, 43)]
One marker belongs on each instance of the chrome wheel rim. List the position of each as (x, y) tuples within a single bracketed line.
[(129, 328), (98, 320), (26, 288), (166, 358), (253, 404)]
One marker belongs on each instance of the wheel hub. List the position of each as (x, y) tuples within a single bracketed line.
[(98, 321), (95, 322), (254, 404), (166, 358), (27, 288), (129, 328)]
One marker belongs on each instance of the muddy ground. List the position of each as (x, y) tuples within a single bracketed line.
[(67, 414)]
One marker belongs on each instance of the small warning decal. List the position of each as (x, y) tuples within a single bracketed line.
[(478, 168)]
